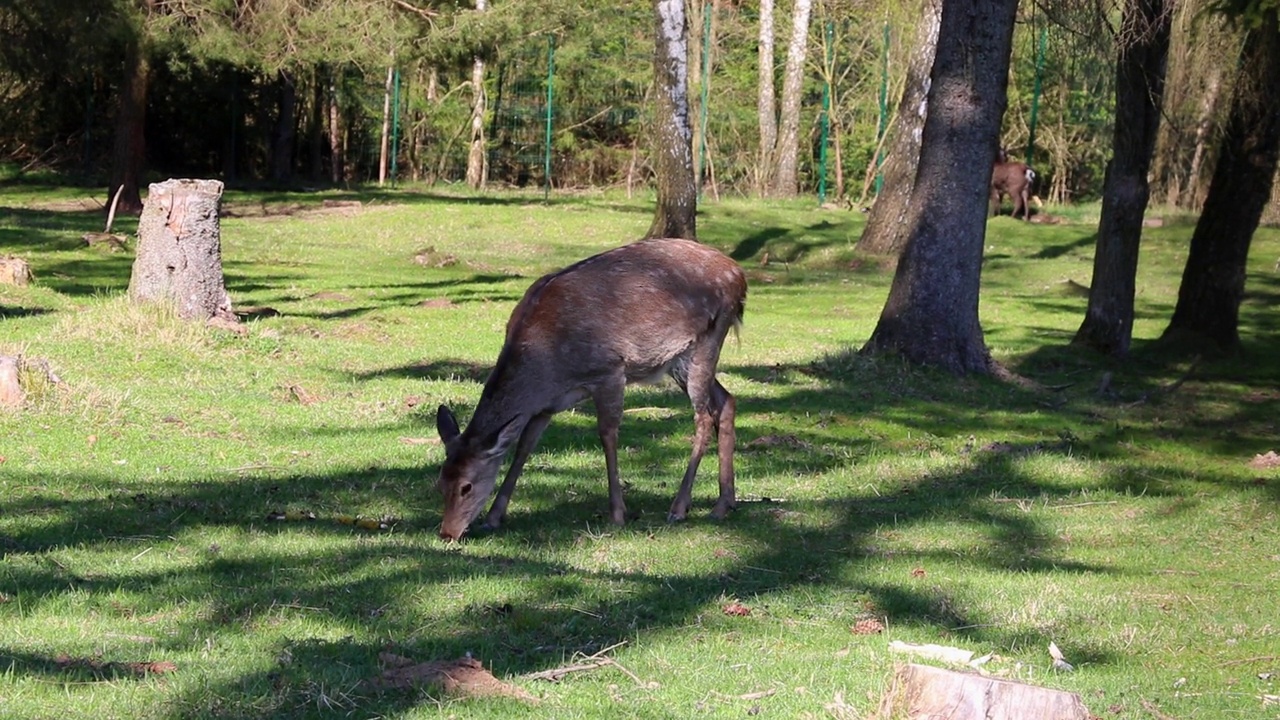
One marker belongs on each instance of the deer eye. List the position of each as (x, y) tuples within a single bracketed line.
[(464, 489)]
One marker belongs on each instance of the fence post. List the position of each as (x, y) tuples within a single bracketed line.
[(884, 109), (828, 71), (546, 151)]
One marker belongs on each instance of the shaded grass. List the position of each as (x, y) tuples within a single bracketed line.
[(1125, 526)]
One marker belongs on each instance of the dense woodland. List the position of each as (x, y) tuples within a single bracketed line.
[(296, 93)]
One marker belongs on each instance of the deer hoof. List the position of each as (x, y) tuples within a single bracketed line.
[(723, 508)]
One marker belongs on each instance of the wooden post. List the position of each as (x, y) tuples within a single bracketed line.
[(179, 258)]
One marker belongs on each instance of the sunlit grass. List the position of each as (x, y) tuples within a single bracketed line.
[(1119, 519)]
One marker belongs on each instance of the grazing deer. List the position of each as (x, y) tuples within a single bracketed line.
[(632, 314), (1013, 179)]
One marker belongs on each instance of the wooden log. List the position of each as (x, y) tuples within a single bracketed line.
[(179, 254), (924, 692), (14, 271)]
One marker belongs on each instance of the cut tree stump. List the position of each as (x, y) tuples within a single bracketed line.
[(11, 392), (14, 271), (179, 255), (924, 692)]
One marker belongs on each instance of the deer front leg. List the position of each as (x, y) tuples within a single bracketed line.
[(528, 441)]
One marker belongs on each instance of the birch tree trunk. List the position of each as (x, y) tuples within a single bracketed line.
[(677, 207), (477, 158), (766, 110), (886, 230), (784, 184)]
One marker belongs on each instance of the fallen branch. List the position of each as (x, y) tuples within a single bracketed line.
[(1155, 711), (590, 662)]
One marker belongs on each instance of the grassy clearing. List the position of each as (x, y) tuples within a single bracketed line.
[(1127, 526)]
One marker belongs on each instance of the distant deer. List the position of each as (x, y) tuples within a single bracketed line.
[(1013, 179), (632, 314)]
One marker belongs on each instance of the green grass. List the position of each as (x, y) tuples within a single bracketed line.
[(1126, 526)]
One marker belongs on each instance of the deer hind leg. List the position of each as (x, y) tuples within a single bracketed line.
[(528, 441), (724, 408), (710, 400), (608, 401)]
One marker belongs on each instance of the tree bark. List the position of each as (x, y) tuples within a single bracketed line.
[(886, 230), (336, 170), (1214, 278), (285, 131), (179, 258), (931, 315), (766, 111), (787, 152), (385, 146), (1144, 46), (677, 207), (477, 158), (129, 153)]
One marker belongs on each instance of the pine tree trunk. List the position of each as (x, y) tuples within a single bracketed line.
[(886, 230), (285, 131), (1144, 38), (766, 110), (179, 259), (337, 171), (931, 315), (787, 152), (1214, 278), (677, 207), (129, 154), (384, 148)]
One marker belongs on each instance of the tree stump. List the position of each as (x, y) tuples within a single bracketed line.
[(14, 271), (923, 692), (11, 392), (179, 258)]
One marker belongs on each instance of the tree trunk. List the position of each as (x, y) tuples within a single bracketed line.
[(385, 146), (676, 214), (921, 692), (285, 131), (477, 158), (129, 155), (766, 112), (315, 126), (787, 152), (1213, 280), (1144, 45), (886, 230), (931, 315), (179, 258), (336, 169), (1204, 125)]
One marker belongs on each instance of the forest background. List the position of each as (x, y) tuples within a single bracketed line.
[(553, 94)]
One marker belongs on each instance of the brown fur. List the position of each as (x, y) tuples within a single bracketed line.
[(633, 314), (1013, 179)]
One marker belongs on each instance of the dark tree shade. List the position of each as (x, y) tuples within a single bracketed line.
[(1144, 47), (1213, 281), (931, 316)]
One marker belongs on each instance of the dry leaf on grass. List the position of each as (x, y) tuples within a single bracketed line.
[(464, 677), (867, 626), (736, 609), (97, 666)]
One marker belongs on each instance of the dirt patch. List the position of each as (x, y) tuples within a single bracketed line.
[(436, 303), (101, 668), (1265, 461), (464, 677)]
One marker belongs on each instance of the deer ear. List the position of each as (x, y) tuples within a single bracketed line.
[(446, 424), (497, 444)]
